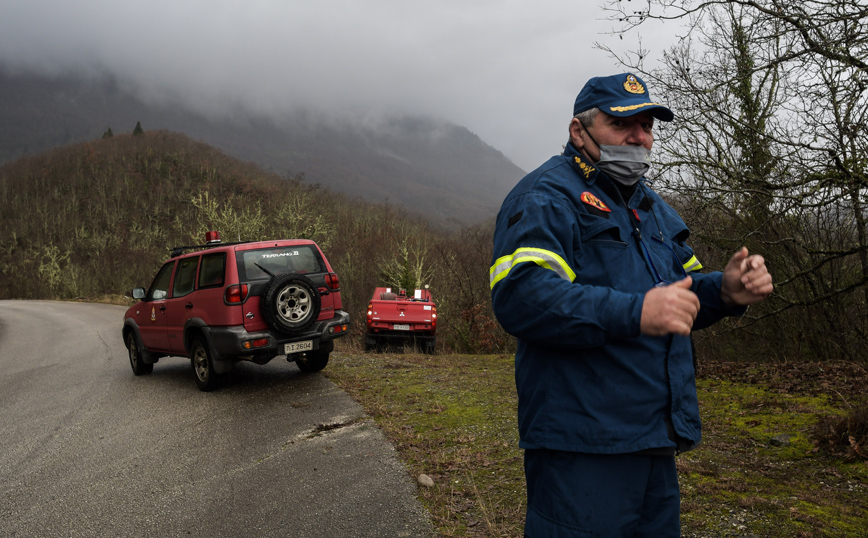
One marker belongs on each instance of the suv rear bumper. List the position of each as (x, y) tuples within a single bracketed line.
[(230, 341)]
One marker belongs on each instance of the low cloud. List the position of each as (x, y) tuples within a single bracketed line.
[(508, 71)]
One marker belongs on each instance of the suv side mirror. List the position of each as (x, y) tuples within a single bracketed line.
[(138, 293)]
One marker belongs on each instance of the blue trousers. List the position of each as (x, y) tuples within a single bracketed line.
[(575, 495)]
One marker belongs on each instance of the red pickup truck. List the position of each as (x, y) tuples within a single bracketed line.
[(399, 317)]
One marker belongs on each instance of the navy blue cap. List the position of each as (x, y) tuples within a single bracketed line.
[(619, 95)]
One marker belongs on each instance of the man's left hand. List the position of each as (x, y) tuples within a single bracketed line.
[(746, 280)]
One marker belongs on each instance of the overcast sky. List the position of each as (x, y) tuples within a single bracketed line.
[(507, 70)]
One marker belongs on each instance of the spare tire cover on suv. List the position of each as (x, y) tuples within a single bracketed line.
[(290, 302)]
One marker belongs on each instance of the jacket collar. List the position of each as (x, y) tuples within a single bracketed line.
[(581, 164), (587, 170)]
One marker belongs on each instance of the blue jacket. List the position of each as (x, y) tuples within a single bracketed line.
[(568, 279)]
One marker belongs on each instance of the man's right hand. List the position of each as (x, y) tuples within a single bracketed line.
[(669, 309)]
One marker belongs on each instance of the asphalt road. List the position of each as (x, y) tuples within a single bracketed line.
[(88, 449)]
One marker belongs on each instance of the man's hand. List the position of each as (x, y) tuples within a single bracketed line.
[(669, 309), (746, 280)]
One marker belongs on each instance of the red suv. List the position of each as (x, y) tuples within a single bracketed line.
[(226, 302)]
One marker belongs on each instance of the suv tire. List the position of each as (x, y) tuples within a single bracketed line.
[(203, 367), (136, 361), (291, 303)]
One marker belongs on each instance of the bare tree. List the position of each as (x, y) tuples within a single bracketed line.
[(769, 149)]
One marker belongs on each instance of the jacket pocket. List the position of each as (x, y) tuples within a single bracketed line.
[(600, 232)]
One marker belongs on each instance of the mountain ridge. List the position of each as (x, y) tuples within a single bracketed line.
[(439, 170)]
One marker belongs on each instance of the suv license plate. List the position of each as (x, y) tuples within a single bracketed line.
[(296, 347), (402, 327)]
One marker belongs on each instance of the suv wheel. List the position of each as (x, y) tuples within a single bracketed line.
[(313, 361), (136, 363), (203, 367), (291, 302)]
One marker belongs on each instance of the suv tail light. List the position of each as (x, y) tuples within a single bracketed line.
[(434, 316), (370, 313), (331, 280), (235, 294)]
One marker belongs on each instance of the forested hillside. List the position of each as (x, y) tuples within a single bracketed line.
[(99, 218)]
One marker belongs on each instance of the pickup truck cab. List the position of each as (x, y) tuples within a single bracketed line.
[(401, 317)]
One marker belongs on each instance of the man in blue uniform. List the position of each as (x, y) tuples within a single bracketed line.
[(593, 275)]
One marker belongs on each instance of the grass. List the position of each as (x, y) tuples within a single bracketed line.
[(742, 483), (452, 417)]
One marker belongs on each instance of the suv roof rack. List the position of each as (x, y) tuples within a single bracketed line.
[(177, 251)]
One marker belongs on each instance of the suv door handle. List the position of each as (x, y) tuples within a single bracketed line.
[(162, 308), (189, 305)]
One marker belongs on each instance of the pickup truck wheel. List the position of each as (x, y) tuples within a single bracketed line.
[(291, 303), (370, 342), (203, 366), (313, 361), (136, 363)]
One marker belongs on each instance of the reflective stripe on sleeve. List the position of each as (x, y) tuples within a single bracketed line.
[(543, 258), (692, 265)]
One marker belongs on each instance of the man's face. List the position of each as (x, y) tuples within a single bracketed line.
[(609, 130)]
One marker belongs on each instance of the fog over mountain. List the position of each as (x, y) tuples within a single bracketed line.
[(438, 170), (504, 72), (508, 71)]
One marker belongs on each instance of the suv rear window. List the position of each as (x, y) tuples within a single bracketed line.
[(256, 264)]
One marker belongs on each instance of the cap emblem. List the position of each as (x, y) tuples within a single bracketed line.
[(633, 86)]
